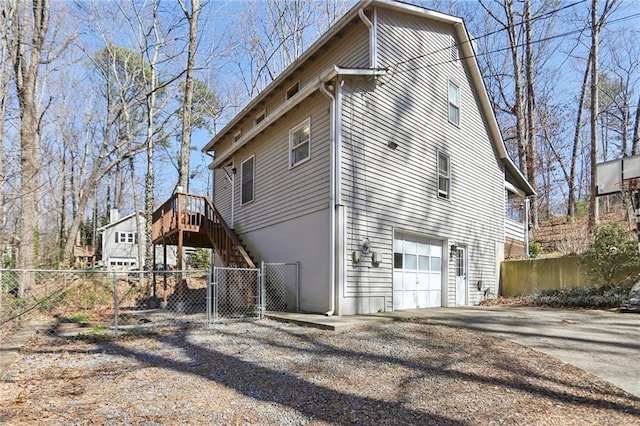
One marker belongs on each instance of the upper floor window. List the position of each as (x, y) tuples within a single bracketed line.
[(237, 135), (261, 116), (293, 90), (126, 237), (454, 104), (444, 175), (247, 174), (299, 143)]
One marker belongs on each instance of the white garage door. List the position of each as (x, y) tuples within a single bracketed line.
[(417, 272)]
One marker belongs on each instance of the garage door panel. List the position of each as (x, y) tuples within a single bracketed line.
[(417, 277)]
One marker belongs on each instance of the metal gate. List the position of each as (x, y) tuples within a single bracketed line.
[(234, 294)]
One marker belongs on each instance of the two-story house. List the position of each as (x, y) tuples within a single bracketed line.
[(375, 161)]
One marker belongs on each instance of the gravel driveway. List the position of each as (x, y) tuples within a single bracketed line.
[(272, 373)]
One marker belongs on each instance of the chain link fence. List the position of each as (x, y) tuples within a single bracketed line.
[(281, 286), (96, 303)]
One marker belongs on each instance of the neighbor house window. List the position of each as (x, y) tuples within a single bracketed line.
[(444, 175), (126, 237), (299, 141), (237, 135), (293, 90), (454, 104), (247, 172), (261, 116)]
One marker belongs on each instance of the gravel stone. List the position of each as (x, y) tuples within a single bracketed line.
[(269, 373)]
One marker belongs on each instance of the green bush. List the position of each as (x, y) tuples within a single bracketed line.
[(612, 260), (200, 259), (535, 249)]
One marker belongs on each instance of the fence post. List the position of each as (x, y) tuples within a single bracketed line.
[(214, 293), (209, 283), (115, 305), (263, 296)]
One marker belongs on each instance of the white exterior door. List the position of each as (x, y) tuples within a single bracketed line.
[(461, 276), (417, 272)]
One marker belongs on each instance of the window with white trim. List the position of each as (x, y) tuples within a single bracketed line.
[(299, 143), (126, 237), (454, 103), (444, 175), (293, 90), (247, 174)]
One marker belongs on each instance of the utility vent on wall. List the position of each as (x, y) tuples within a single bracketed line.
[(454, 50)]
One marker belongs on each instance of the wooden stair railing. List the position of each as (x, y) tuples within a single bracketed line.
[(195, 213)]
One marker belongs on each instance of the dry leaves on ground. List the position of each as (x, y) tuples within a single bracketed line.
[(271, 373)]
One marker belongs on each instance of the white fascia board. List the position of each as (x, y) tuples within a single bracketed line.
[(481, 90), (304, 92), (415, 10), (512, 188)]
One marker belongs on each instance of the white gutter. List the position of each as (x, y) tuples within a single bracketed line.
[(332, 202), (373, 55)]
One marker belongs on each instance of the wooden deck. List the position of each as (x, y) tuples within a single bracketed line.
[(189, 220)]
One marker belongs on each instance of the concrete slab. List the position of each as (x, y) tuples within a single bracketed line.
[(606, 344), (334, 323)]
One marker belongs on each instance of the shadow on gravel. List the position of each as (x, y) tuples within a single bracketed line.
[(322, 403), (282, 388)]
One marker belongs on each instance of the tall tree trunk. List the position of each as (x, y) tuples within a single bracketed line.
[(532, 148), (593, 201), (519, 96), (187, 106), (571, 205), (4, 88), (28, 31)]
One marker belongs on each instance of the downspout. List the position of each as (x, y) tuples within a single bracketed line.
[(213, 177), (373, 40), (527, 206), (332, 202)]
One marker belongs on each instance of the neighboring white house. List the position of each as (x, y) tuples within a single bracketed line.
[(120, 242), (374, 160)]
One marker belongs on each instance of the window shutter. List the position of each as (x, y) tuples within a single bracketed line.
[(116, 236)]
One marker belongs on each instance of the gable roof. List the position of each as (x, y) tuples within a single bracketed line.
[(512, 172), (119, 221)]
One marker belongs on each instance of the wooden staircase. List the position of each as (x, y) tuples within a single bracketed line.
[(193, 221)]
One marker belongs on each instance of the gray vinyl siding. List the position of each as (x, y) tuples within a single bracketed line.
[(281, 193), (222, 195), (350, 49), (354, 53), (386, 190)]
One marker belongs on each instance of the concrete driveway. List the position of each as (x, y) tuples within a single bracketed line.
[(603, 343)]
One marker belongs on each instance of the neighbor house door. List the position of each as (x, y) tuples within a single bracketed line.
[(417, 272), (461, 276)]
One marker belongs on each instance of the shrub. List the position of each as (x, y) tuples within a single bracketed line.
[(200, 259), (612, 260), (535, 249), (580, 297)]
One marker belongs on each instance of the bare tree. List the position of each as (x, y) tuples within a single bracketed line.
[(28, 28), (192, 14)]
